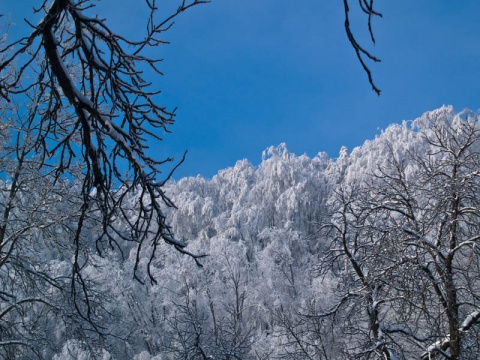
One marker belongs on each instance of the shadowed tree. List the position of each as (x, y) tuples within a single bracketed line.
[(94, 107), (78, 120)]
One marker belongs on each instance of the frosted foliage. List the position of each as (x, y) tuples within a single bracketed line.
[(77, 350), (146, 356), (284, 191), (307, 258)]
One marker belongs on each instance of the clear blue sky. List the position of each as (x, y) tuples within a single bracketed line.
[(248, 74)]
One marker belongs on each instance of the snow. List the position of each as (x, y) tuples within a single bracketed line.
[(274, 278)]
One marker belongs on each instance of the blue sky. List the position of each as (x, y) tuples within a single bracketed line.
[(248, 74)]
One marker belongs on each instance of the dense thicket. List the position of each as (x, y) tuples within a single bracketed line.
[(373, 254)]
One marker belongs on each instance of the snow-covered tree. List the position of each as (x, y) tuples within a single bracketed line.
[(404, 243)]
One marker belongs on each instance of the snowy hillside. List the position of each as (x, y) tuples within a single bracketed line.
[(373, 254)]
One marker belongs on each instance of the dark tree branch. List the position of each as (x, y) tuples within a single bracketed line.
[(367, 7)]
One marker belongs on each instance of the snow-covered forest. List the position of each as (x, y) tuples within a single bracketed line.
[(373, 254)]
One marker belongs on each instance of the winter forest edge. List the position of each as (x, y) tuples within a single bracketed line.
[(372, 255)]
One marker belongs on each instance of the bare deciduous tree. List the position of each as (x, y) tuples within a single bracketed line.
[(38, 212), (404, 244), (94, 106), (78, 121), (441, 232)]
